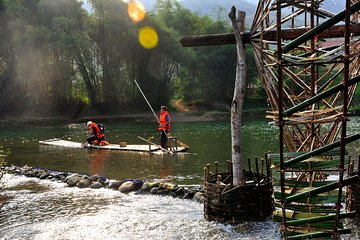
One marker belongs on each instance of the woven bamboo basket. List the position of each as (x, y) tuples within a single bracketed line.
[(252, 201)]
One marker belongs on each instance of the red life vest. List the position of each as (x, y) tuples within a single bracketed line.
[(162, 120), (96, 130)]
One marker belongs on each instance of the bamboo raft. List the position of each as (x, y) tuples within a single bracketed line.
[(149, 148)]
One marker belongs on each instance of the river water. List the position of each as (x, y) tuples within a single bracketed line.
[(43, 209)]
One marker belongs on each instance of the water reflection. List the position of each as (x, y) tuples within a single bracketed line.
[(97, 161)]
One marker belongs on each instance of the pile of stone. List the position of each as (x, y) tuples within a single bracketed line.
[(95, 182)]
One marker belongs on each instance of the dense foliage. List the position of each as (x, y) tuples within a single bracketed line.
[(58, 58)]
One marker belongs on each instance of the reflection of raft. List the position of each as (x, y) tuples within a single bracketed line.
[(120, 147)]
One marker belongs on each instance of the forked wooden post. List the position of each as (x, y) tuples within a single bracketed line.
[(238, 98)]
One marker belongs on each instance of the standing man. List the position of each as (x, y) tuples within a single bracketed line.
[(164, 125)]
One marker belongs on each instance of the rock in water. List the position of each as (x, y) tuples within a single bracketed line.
[(116, 184), (73, 180), (95, 185), (83, 183), (127, 187)]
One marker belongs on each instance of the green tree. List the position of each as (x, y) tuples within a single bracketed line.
[(11, 94)]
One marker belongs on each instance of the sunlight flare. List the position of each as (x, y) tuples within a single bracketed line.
[(148, 37), (136, 11)]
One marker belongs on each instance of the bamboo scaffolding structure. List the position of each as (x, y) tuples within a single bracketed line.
[(309, 86)]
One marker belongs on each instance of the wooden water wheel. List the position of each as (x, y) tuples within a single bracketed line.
[(308, 59), (310, 80)]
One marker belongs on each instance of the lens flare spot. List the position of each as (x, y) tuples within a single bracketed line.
[(148, 37), (136, 11)]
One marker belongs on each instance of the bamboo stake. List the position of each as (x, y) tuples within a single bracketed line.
[(216, 168), (257, 170), (249, 165), (208, 172)]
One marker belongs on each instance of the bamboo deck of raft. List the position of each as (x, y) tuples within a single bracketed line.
[(146, 148)]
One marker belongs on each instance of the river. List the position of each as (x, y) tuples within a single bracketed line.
[(43, 209)]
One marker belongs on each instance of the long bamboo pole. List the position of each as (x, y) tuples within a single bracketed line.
[(142, 93)]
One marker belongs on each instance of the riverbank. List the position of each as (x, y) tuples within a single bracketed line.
[(127, 117)]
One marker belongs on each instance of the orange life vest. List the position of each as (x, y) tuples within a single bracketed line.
[(96, 131), (162, 119)]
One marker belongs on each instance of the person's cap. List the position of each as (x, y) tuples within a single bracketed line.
[(89, 123)]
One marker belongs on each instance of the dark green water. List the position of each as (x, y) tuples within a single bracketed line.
[(59, 212), (209, 142)]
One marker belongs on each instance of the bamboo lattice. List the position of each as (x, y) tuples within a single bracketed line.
[(317, 83)]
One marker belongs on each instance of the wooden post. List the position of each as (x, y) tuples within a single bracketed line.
[(238, 98)]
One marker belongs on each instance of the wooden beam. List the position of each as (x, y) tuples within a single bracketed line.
[(287, 34)]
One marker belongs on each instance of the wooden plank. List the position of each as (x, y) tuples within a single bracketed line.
[(287, 34)]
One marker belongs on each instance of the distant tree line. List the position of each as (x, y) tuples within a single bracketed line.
[(55, 57)]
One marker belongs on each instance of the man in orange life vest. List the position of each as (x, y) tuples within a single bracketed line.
[(96, 135), (164, 125)]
